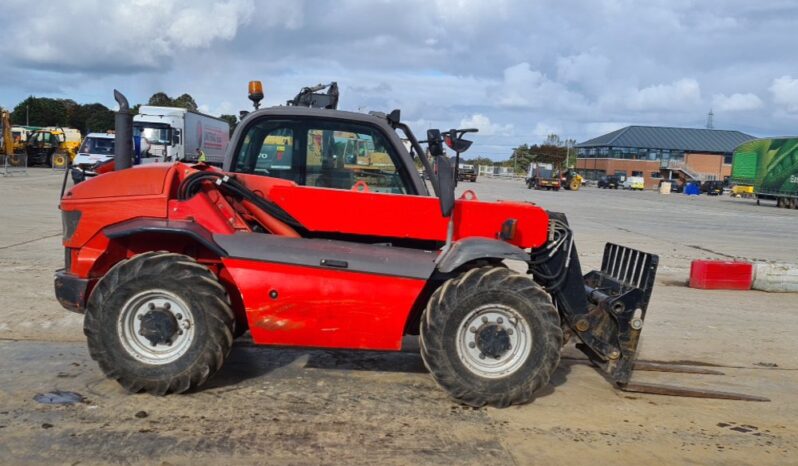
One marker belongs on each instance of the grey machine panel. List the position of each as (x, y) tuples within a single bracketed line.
[(330, 254)]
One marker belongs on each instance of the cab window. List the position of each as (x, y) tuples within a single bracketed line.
[(325, 154), (339, 155), (268, 149)]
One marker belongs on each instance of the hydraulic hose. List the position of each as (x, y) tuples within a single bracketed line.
[(191, 186), (561, 244), (270, 223)]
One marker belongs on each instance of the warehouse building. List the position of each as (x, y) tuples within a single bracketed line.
[(657, 153)]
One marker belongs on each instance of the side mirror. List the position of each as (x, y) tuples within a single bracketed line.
[(434, 142), (446, 185), (176, 137), (458, 145)]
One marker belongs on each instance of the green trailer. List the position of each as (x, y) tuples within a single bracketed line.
[(770, 166)]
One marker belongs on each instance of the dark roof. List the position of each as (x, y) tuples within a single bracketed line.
[(658, 137)]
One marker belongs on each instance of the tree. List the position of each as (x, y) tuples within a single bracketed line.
[(230, 119), (40, 111), (553, 140), (521, 157), (185, 101), (160, 99), (548, 152), (479, 161), (94, 117), (98, 118)]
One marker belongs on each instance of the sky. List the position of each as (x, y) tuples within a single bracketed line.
[(516, 70)]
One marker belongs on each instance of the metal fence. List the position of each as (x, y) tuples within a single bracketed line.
[(16, 164), (492, 171)]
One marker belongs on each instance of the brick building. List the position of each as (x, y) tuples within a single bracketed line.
[(657, 153)]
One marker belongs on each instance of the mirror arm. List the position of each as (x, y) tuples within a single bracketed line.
[(422, 156)]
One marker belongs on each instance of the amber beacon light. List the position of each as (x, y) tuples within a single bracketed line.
[(255, 93)]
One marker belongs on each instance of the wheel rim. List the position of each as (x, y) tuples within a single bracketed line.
[(156, 327), (494, 341), (59, 161)]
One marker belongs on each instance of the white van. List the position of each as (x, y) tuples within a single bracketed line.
[(635, 183), (97, 149)]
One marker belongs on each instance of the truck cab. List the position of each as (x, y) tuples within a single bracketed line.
[(324, 148)]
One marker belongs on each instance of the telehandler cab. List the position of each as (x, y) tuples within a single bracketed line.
[(307, 241)]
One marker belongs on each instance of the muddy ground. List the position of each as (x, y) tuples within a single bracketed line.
[(300, 406)]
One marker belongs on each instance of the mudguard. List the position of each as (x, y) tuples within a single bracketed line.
[(173, 227), (469, 249)]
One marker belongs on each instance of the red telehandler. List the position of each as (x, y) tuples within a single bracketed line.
[(306, 243)]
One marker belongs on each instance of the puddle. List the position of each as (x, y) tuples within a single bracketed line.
[(58, 397)]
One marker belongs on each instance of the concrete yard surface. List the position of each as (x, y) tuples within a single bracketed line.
[(300, 406)]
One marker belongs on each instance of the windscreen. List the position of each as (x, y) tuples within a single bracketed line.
[(153, 135), (101, 146)]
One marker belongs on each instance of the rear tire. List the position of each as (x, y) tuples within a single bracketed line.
[(159, 322), (491, 337)]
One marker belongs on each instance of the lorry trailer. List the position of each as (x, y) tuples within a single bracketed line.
[(174, 134), (770, 168)]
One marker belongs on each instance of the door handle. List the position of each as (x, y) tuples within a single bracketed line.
[(339, 264)]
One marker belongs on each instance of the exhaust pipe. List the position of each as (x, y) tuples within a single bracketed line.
[(123, 128)]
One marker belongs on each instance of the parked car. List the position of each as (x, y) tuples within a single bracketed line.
[(635, 183), (712, 188), (609, 182), (467, 172)]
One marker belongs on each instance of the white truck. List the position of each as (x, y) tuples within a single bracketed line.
[(169, 134)]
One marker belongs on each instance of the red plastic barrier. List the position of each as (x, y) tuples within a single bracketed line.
[(721, 275)]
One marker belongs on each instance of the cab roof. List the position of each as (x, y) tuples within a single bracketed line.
[(287, 110)]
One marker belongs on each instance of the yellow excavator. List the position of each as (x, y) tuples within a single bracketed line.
[(8, 138), (11, 145)]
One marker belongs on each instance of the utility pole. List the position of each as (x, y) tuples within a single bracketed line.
[(27, 115), (710, 117), (567, 152)]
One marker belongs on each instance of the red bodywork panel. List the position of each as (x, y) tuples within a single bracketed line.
[(323, 308), (400, 216), (314, 307)]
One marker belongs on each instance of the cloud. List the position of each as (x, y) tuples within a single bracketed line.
[(542, 130), (116, 37), (585, 69), (675, 96), (657, 63), (523, 87), (785, 92), (485, 126), (736, 102)]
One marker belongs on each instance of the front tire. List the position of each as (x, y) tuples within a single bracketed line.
[(159, 322), (491, 337)]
